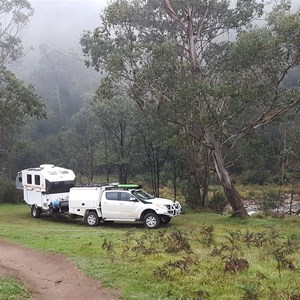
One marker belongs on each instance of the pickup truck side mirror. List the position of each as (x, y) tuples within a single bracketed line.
[(133, 199)]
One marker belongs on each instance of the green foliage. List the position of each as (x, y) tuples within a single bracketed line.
[(207, 235), (8, 192), (116, 118), (167, 57), (14, 15), (255, 176), (271, 200), (11, 289), (217, 202), (17, 100), (257, 157), (251, 291)]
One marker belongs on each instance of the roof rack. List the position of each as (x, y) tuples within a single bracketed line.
[(112, 186), (93, 185), (129, 186)]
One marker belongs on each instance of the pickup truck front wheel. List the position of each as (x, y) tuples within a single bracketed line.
[(151, 220), (92, 219)]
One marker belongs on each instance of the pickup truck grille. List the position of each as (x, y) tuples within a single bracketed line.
[(174, 209)]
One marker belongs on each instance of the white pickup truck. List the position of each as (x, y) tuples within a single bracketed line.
[(121, 203), (48, 188)]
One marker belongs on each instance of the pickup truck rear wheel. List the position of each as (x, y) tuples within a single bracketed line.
[(151, 220), (35, 211), (92, 219)]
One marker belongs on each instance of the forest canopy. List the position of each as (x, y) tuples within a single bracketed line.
[(170, 57)]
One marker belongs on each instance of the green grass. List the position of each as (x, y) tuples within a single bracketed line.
[(12, 289), (184, 260)]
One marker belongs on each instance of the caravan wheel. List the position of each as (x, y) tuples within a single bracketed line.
[(36, 211)]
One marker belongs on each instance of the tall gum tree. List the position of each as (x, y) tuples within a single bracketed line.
[(172, 54), (199, 24), (14, 16), (17, 100)]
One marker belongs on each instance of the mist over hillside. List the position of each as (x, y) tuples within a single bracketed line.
[(56, 25), (59, 24)]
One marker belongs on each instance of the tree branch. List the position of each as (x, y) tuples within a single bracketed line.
[(263, 119), (172, 14)]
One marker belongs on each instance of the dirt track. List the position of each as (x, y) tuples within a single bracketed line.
[(49, 276)]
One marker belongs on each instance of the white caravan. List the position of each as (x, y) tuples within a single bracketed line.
[(44, 186)]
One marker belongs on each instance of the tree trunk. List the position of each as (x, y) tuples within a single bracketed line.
[(122, 174), (188, 29), (231, 193), (157, 170), (106, 166), (154, 166), (206, 178), (193, 191), (174, 179), (193, 181)]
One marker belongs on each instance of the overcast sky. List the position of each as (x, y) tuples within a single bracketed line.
[(59, 23)]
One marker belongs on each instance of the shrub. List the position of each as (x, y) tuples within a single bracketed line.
[(217, 202), (271, 200), (8, 192), (259, 177)]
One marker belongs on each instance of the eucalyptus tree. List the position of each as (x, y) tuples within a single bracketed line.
[(115, 116), (63, 82), (14, 16), (80, 142), (171, 55), (16, 99), (152, 147)]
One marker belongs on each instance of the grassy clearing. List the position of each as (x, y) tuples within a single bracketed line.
[(197, 256), (12, 289)]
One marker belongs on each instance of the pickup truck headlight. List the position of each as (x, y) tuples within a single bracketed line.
[(160, 206)]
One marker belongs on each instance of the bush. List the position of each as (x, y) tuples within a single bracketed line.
[(259, 177), (217, 202), (8, 192), (271, 200)]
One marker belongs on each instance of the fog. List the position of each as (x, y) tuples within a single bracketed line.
[(59, 24)]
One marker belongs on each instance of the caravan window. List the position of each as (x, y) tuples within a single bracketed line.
[(56, 187), (63, 172), (29, 179), (37, 179), (52, 172)]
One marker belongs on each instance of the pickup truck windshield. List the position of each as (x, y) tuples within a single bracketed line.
[(142, 195)]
